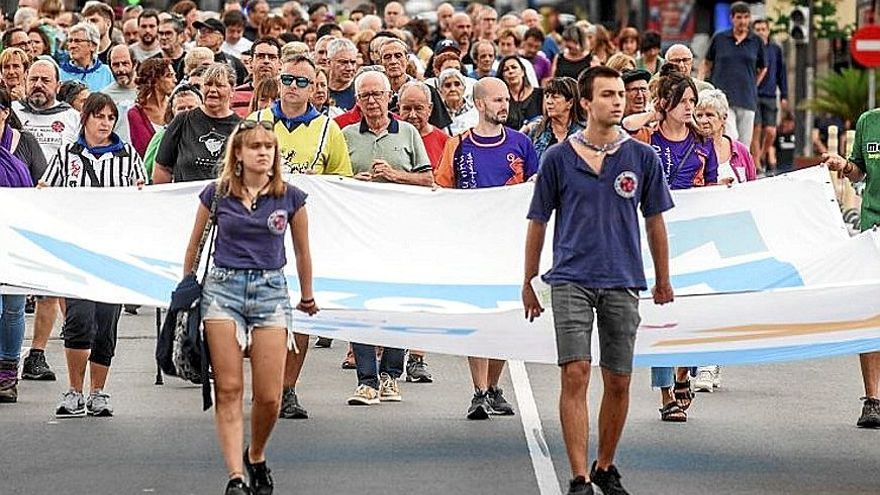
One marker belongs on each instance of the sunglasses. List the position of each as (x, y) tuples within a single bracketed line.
[(247, 125), (301, 81)]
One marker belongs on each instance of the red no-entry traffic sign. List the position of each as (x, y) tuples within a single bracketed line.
[(865, 46)]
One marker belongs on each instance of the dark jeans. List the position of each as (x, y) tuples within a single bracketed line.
[(91, 325), (365, 360)]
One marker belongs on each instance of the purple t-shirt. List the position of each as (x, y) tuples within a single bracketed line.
[(596, 241), (542, 66), (700, 166), (494, 161), (252, 240)]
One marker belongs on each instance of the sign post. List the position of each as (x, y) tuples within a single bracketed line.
[(865, 49)]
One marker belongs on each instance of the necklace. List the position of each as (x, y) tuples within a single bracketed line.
[(254, 198), (581, 138)]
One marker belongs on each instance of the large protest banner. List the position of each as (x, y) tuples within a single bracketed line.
[(763, 271)]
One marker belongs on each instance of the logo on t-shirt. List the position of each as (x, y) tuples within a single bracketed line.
[(277, 222), (625, 184), (872, 150), (213, 142), (58, 126)]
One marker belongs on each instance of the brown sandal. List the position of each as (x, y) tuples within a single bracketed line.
[(672, 413)]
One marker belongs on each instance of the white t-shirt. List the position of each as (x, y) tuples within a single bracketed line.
[(52, 126), (242, 45)]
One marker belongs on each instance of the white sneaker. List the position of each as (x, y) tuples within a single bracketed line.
[(364, 395), (389, 390), (716, 377), (704, 380)]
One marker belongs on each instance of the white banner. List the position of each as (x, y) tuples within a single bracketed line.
[(763, 271)]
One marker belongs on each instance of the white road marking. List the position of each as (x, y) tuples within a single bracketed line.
[(542, 463)]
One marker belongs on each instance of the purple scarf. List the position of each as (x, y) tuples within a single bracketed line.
[(13, 171)]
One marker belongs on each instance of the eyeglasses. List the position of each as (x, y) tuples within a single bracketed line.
[(247, 125), (638, 90), (265, 56), (350, 63), (77, 40), (376, 95), (678, 61), (301, 81), (392, 56), (166, 34), (23, 45)]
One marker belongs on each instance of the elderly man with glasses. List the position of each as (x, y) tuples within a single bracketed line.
[(83, 65), (342, 54)]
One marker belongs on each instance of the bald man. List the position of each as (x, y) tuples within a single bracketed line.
[(489, 155), (393, 15)]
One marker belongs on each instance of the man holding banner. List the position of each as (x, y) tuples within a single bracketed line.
[(864, 164), (595, 181)]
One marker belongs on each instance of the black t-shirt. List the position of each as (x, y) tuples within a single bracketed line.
[(29, 152), (241, 73), (194, 143), (526, 110), (785, 148), (176, 64), (572, 69)]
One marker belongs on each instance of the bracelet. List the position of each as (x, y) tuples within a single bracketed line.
[(307, 301), (849, 166)]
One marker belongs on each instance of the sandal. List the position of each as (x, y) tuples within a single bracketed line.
[(672, 413), (683, 393)]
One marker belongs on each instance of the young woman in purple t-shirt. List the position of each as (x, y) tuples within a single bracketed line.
[(245, 300)]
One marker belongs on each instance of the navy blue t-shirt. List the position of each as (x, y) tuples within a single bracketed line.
[(735, 67), (344, 99), (596, 241), (248, 239)]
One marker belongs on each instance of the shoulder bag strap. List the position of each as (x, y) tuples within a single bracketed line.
[(209, 227), (90, 170), (321, 142)]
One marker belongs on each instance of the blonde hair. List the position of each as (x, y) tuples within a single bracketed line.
[(621, 62), (293, 48), (7, 55), (230, 184), (195, 57)]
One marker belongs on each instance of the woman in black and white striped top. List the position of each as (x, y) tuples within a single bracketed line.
[(98, 158)]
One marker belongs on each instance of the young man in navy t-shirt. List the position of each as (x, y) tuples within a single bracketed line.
[(596, 182)]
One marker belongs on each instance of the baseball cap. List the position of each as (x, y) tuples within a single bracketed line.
[(212, 24), (446, 45), (635, 75)]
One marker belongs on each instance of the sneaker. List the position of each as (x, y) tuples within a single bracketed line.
[(98, 404), (36, 368), (417, 370), (364, 395), (497, 403), (479, 408), (716, 376), (870, 417), (704, 380), (259, 475), (131, 309), (72, 405), (580, 486), (348, 363), (290, 406), (8, 382), (389, 390), (236, 486), (607, 481), (30, 305), (323, 343)]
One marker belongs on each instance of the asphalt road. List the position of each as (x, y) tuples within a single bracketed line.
[(773, 429)]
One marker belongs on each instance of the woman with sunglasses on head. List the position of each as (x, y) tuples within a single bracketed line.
[(245, 300), (192, 148)]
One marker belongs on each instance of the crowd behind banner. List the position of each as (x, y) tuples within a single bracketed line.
[(110, 97)]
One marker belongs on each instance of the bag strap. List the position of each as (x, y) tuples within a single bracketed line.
[(321, 143), (209, 226), (674, 172), (89, 170)]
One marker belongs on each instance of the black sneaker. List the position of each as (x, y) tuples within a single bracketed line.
[(290, 406), (607, 481), (236, 486), (497, 403), (323, 343), (479, 408), (36, 368), (131, 309), (580, 486), (30, 305), (870, 417), (417, 370), (259, 475)]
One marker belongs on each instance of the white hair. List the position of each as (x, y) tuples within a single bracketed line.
[(714, 99), (391, 41), (25, 17), (371, 22), (447, 73), (340, 45), (362, 76), (90, 30), (416, 84)]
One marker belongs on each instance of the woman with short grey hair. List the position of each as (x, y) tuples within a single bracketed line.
[(735, 163), (451, 86)]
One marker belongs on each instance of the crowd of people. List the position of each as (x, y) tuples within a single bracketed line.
[(109, 97)]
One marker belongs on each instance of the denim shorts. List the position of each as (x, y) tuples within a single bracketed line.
[(250, 298), (617, 317)]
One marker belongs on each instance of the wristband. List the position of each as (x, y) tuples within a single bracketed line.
[(848, 166), (307, 301)]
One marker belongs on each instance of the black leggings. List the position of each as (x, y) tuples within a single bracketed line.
[(91, 325)]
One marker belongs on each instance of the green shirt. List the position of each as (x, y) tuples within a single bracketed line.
[(866, 156), (400, 145), (150, 153)]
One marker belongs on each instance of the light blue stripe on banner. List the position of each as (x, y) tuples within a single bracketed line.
[(767, 355)]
